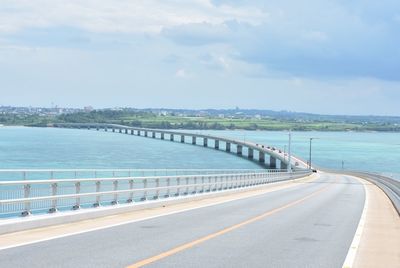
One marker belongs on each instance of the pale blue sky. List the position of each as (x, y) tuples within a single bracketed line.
[(333, 57)]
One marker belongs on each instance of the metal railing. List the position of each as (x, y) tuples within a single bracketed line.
[(390, 186), (40, 174), (24, 197)]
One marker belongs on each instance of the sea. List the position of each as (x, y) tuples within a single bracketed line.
[(51, 148)]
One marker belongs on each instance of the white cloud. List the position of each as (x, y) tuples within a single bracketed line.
[(181, 73), (149, 16)]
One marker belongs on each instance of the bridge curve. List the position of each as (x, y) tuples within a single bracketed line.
[(274, 154)]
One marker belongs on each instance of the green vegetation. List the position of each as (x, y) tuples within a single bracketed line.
[(151, 120)]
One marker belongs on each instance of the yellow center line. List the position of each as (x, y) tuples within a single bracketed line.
[(223, 231)]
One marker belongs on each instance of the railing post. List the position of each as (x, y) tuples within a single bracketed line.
[(187, 186), (195, 186), (158, 189), (27, 193), (115, 188), (178, 183), (98, 186), (168, 189), (78, 199), (236, 181), (209, 184), (130, 199), (145, 191), (53, 208), (202, 184)]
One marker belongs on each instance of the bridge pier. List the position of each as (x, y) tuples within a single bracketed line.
[(194, 140), (216, 145), (146, 133), (205, 142), (272, 162), (105, 129), (250, 153), (126, 131), (171, 137), (162, 135), (283, 165), (228, 147), (261, 157), (153, 135), (239, 149), (182, 139), (120, 130), (132, 132), (113, 129)]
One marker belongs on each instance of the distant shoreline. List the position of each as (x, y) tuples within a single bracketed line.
[(252, 130)]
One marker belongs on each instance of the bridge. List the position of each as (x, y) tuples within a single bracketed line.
[(253, 151), (269, 217)]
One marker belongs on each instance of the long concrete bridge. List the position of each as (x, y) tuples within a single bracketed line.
[(230, 218), (276, 158)]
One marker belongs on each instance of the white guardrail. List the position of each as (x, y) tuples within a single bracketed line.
[(57, 192)]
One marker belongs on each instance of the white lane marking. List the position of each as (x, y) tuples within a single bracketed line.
[(137, 220), (352, 253)]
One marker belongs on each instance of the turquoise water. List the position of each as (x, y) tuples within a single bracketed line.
[(67, 148), (368, 151)]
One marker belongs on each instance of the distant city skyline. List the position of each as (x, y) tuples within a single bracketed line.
[(322, 57)]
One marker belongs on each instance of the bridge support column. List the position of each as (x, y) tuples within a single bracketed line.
[(228, 147), (120, 130), (97, 128), (239, 149), (194, 140), (250, 154), (153, 135), (105, 129), (284, 165), (272, 162), (261, 157), (113, 129), (216, 146), (171, 137), (162, 135), (182, 138), (205, 142), (132, 132), (126, 131), (146, 133)]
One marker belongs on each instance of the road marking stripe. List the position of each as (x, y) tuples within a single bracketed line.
[(352, 253), (224, 231)]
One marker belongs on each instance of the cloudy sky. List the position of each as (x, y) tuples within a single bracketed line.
[(331, 57)]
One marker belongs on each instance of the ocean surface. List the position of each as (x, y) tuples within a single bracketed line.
[(41, 148)]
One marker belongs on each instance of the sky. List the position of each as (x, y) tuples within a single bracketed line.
[(318, 56)]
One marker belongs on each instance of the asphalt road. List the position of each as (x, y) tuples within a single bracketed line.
[(309, 225)]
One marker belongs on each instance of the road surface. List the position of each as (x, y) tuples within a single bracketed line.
[(307, 225)]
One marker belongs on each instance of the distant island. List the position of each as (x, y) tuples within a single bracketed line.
[(212, 119)]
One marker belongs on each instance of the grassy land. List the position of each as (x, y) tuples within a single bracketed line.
[(150, 120)]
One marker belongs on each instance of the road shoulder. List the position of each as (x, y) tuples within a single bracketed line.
[(380, 242)]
